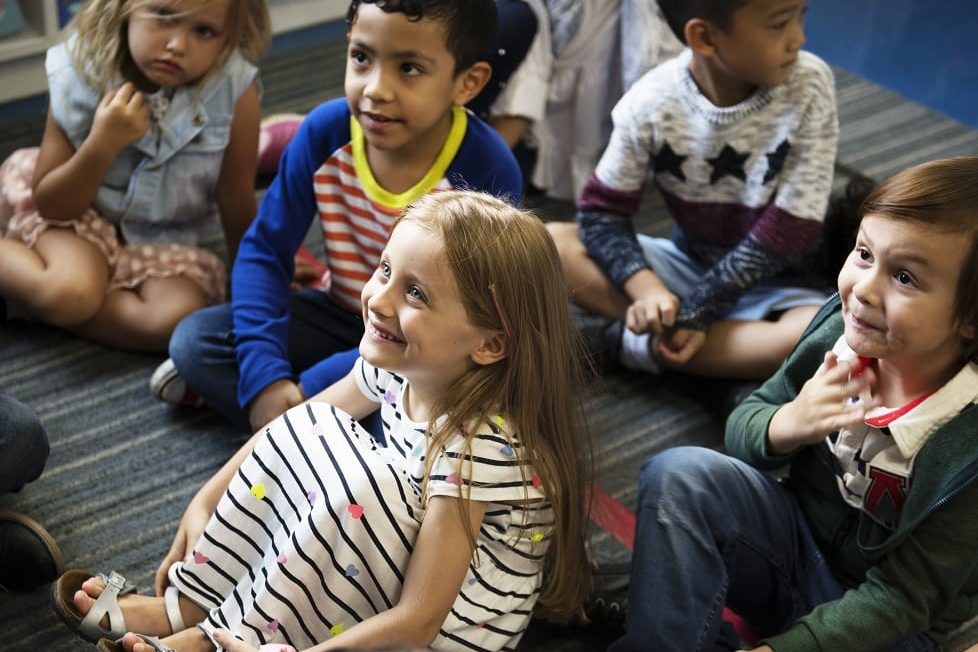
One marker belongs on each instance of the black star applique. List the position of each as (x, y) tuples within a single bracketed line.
[(728, 162), (775, 160), (668, 161)]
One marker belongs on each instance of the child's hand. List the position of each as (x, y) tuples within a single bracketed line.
[(188, 532), (823, 405), (223, 638), (679, 345), (122, 118), (273, 401), (654, 310)]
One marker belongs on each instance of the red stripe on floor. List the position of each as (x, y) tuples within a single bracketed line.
[(613, 517), (619, 521)]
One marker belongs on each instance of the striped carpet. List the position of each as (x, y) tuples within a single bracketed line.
[(123, 466)]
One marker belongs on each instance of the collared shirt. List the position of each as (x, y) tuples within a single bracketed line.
[(875, 459)]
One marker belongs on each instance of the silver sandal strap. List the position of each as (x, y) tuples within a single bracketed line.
[(106, 604), (171, 599)]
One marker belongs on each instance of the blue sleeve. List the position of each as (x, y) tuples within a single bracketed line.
[(265, 264), (327, 371), (485, 163)]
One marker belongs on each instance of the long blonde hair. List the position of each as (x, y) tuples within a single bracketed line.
[(101, 49), (509, 279)]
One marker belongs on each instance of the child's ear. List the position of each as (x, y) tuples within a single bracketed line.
[(967, 332), (493, 348), (699, 37), (471, 81)]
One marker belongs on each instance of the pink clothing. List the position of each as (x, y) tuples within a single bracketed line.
[(129, 265)]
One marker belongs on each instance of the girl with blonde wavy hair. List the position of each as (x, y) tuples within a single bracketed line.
[(149, 149), (444, 532)]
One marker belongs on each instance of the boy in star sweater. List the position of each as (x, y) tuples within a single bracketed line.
[(739, 132)]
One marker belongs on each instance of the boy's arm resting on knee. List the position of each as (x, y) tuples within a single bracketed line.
[(610, 241), (742, 268), (236, 182), (265, 264), (273, 401), (439, 562)]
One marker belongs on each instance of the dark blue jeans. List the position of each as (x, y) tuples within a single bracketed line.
[(202, 348), (714, 531), (23, 444)]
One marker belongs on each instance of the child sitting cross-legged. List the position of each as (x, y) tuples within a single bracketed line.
[(739, 134), (868, 543), (401, 131), (148, 150), (446, 531)]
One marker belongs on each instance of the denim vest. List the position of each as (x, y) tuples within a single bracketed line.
[(163, 187)]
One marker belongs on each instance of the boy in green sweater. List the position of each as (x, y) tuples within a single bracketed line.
[(868, 543)]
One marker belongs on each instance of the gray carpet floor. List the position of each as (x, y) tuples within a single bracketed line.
[(123, 466)]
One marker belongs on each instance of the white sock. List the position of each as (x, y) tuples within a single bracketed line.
[(635, 352)]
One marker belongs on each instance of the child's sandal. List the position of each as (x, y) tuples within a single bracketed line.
[(87, 626), (106, 645), (107, 603)]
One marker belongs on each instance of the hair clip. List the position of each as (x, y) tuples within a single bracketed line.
[(499, 310)]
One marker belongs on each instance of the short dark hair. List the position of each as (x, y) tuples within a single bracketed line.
[(470, 25), (944, 194), (718, 12)]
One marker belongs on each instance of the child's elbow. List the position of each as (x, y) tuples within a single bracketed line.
[(420, 629), (425, 634)]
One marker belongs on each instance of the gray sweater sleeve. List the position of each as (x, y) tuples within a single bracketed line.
[(721, 287), (611, 243)]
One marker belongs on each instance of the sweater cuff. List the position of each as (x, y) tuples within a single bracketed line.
[(797, 639)]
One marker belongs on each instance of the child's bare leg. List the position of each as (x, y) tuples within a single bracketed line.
[(61, 280), (143, 613), (749, 349), (589, 287), (143, 319)]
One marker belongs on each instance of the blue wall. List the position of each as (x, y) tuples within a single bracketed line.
[(925, 50)]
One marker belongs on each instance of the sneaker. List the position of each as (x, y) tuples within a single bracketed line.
[(29, 555), (607, 606), (169, 386)]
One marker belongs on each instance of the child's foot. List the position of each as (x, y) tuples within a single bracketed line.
[(635, 351), (142, 613), (189, 640), (168, 385)]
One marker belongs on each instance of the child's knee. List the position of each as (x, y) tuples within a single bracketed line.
[(681, 471), (68, 303), (566, 240), (195, 336)]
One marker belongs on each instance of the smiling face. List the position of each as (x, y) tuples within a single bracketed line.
[(176, 42), (400, 80), (414, 319), (898, 289), (762, 43)]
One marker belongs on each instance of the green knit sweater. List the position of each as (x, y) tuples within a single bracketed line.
[(920, 577)]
